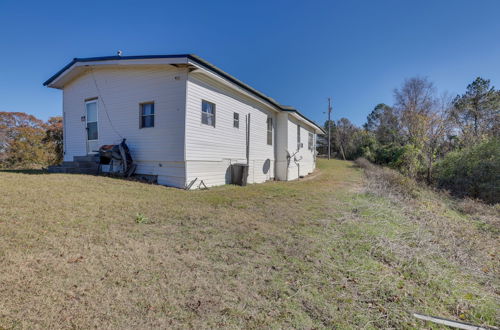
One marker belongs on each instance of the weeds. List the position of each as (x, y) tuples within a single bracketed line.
[(142, 219), (444, 237), (389, 181)]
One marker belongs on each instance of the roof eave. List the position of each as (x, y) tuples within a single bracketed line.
[(190, 57), (60, 73), (309, 121)]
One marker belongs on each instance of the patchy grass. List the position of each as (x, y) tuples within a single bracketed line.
[(330, 252)]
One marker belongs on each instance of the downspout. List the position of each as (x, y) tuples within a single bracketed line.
[(248, 139)]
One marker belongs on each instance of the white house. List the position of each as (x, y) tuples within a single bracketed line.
[(183, 119)]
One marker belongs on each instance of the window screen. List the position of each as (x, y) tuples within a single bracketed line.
[(147, 115), (298, 137), (269, 130), (310, 144), (236, 120), (208, 113)]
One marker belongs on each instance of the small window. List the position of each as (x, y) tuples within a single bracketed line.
[(236, 120), (269, 130), (298, 137), (147, 115), (310, 144), (207, 113)]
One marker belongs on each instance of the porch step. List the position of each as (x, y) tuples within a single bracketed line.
[(80, 165), (57, 169), (78, 170), (88, 158), (73, 170)]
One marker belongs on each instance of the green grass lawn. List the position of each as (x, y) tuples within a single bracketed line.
[(326, 252)]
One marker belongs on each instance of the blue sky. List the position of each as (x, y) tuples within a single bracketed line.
[(298, 52)]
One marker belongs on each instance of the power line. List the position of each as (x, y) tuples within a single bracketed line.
[(103, 103), (329, 127)]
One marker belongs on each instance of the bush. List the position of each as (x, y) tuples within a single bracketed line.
[(388, 181), (365, 146), (386, 154), (28, 142), (407, 159), (473, 172)]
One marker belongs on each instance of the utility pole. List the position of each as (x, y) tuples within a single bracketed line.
[(329, 126)]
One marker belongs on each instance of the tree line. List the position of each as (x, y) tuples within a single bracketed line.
[(27, 142), (450, 142)]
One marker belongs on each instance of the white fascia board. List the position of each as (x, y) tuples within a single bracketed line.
[(70, 73), (316, 129)]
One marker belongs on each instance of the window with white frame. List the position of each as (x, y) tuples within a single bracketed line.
[(207, 113), (310, 141), (91, 118), (236, 120), (298, 137), (269, 130), (147, 115)]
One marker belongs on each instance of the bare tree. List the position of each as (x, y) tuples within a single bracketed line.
[(344, 131), (437, 127), (414, 101)]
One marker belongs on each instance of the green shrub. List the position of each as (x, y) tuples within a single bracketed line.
[(366, 145), (387, 153), (407, 159), (472, 172)]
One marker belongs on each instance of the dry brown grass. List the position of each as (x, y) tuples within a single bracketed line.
[(317, 253), (463, 232)]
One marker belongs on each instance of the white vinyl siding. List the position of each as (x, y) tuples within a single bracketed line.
[(122, 89), (305, 161), (209, 150)]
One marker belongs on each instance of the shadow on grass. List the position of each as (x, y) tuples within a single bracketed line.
[(39, 171)]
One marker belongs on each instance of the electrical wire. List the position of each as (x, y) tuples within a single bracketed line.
[(103, 103)]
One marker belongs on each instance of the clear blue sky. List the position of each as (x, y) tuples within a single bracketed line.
[(296, 52)]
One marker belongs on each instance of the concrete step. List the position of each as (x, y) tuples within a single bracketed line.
[(73, 170), (67, 164), (82, 165), (56, 169), (88, 158), (76, 170)]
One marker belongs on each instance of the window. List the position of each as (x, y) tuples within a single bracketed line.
[(207, 113), (147, 115), (298, 137), (310, 143), (236, 120), (91, 118), (269, 130)]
